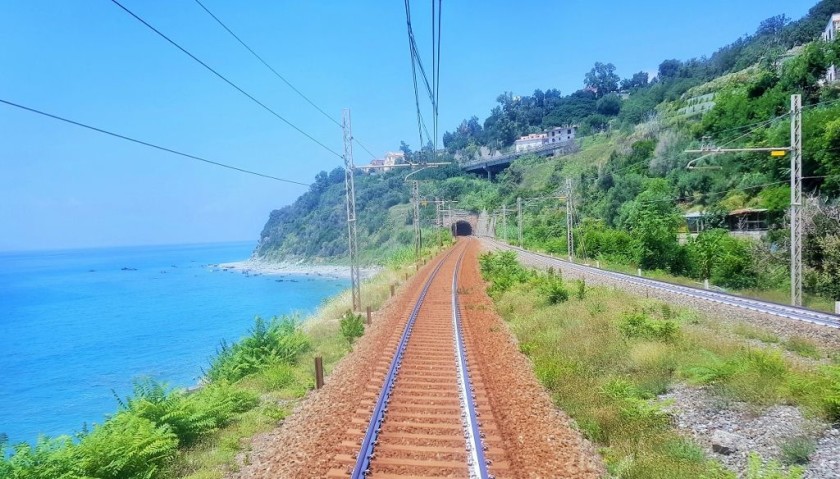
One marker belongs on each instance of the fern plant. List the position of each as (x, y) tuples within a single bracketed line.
[(127, 446)]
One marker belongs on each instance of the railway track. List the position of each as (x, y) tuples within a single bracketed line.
[(425, 412), (780, 310)]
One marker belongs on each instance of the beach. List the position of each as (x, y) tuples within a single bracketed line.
[(253, 266)]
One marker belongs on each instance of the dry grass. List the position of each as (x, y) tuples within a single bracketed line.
[(608, 381)]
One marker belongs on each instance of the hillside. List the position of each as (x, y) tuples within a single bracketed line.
[(631, 184)]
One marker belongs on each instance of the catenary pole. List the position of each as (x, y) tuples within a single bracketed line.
[(350, 190), (519, 218), (796, 227), (796, 200), (570, 237)]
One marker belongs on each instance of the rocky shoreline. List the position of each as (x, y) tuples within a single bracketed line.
[(257, 267)]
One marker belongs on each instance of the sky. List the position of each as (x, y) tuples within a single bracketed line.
[(65, 187)]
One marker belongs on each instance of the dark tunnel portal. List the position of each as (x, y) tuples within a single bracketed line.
[(462, 228)]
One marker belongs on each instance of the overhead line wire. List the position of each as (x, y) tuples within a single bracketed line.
[(411, 53), (437, 72), (278, 75), (150, 145), (222, 77)]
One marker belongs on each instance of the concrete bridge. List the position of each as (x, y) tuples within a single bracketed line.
[(494, 164)]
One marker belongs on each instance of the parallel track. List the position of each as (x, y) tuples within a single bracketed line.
[(430, 417), (780, 310)]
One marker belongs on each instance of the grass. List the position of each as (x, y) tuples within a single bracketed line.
[(281, 387), (776, 295), (798, 450), (606, 356)]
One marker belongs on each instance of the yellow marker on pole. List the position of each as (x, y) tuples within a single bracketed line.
[(778, 153)]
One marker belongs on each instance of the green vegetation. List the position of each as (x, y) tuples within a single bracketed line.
[(630, 177), (607, 356), (798, 450), (756, 469), (159, 432), (352, 327)]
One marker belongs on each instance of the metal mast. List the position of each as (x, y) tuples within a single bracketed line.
[(415, 200), (570, 237), (795, 189), (504, 222), (519, 218), (796, 200), (351, 211)]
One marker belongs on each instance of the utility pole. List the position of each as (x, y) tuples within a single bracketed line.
[(795, 150), (570, 237), (351, 211), (504, 222), (519, 217), (796, 200), (415, 200)]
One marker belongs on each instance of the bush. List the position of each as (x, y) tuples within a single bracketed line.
[(831, 397), (352, 326), (502, 271), (797, 450), (50, 459), (639, 325), (127, 446), (581, 290), (281, 341), (188, 415), (756, 469), (553, 289)]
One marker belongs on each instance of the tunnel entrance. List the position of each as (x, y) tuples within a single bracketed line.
[(462, 228)]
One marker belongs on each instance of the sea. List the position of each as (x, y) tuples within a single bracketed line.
[(77, 327)]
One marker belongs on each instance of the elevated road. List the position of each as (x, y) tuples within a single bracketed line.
[(498, 163)]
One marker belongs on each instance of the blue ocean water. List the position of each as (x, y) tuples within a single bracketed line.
[(75, 325)]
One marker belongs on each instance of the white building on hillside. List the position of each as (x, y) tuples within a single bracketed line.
[(530, 142), (393, 158), (829, 35), (561, 134)]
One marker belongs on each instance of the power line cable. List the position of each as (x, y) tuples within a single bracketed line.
[(222, 77), (437, 73), (277, 74), (414, 72), (150, 145)]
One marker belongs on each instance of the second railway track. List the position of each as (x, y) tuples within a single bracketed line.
[(780, 310), (425, 411)]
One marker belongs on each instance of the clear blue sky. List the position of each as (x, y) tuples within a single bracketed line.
[(63, 187)]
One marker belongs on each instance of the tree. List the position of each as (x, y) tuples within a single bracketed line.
[(405, 149), (772, 26), (705, 250), (638, 80), (602, 79), (669, 69), (653, 219), (609, 105)]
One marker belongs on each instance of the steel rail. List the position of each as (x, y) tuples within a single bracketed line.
[(766, 307), (476, 463), (362, 467)]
